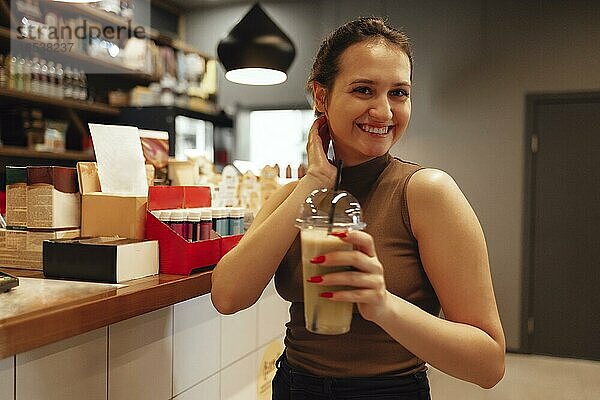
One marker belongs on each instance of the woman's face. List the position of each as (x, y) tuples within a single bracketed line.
[(368, 106)]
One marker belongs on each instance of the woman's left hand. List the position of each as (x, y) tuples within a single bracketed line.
[(367, 280)]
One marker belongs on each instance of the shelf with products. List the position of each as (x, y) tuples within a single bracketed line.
[(21, 152), (181, 74), (67, 53), (90, 11), (99, 108)]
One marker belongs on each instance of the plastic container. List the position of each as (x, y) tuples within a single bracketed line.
[(236, 221), (220, 216), (322, 213), (206, 219), (193, 220)]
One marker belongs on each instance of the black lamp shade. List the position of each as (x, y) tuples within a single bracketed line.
[(256, 44)]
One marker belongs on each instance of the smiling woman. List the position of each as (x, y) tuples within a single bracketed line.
[(422, 249), (368, 107)]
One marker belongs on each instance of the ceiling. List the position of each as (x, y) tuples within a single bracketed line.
[(191, 4)]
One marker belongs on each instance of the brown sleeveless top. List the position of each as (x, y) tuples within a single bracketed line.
[(367, 350)]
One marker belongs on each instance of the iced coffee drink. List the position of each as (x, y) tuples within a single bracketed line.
[(324, 212), (322, 315)]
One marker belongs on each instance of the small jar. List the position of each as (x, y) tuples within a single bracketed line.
[(221, 220), (236, 221), (165, 217), (178, 222), (194, 224), (206, 220)]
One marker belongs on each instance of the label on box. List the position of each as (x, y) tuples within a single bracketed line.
[(51, 208), (16, 204), (16, 240), (39, 204)]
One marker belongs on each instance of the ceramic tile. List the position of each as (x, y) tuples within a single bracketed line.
[(7, 379), (238, 335), (140, 357), (196, 342), (74, 368), (238, 381), (272, 317), (205, 390)]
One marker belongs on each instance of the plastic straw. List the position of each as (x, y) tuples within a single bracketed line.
[(338, 179)]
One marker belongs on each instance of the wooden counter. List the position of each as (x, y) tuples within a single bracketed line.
[(41, 311)]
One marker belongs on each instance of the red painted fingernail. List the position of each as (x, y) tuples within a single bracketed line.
[(315, 279), (327, 295), (341, 235), (317, 259)]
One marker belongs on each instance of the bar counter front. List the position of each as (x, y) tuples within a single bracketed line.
[(41, 311)]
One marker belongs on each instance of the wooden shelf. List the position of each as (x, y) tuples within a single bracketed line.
[(219, 119), (22, 152), (98, 108), (111, 67), (87, 10)]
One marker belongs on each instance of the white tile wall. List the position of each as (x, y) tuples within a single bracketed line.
[(206, 390), (238, 381), (272, 316), (7, 378), (186, 351), (140, 357), (238, 335), (71, 369), (196, 342)]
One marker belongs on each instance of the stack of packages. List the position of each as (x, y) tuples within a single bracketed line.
[(42, 203), (113, 208)]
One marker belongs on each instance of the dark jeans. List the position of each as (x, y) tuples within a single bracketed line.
[(291, 384)]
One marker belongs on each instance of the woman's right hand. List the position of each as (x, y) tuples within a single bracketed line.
[(319, 166)]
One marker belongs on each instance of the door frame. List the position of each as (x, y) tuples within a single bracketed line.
[(532, 101)]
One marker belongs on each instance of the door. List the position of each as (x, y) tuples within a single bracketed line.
[(564, 226)]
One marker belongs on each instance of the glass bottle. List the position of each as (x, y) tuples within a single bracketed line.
[(68, 89), (19, 64), (52, 80), (83, 92), (27, 75), (12, 61), (3, 80), (35, 76), (60, 89), (43, 78), (75, 89)]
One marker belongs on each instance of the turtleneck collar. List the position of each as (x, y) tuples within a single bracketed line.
[(359, 179)]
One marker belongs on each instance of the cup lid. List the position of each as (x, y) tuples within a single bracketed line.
[(324, 208)]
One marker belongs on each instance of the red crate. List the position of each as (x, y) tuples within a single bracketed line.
[(176, 254)]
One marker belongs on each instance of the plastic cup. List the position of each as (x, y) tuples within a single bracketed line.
[(325, 211)]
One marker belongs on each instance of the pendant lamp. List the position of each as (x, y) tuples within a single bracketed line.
[(256, 51)]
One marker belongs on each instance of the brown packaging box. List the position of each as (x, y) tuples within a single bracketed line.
[(23, 249), (53, 199), (105, 214)]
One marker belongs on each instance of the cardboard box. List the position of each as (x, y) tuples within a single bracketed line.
[(53, 199), (177, 255), (113, 215), (23, 249), (106, 260), (105, 214)]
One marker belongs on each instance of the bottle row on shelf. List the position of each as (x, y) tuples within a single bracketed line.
[(194, 224), (42, 77)]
